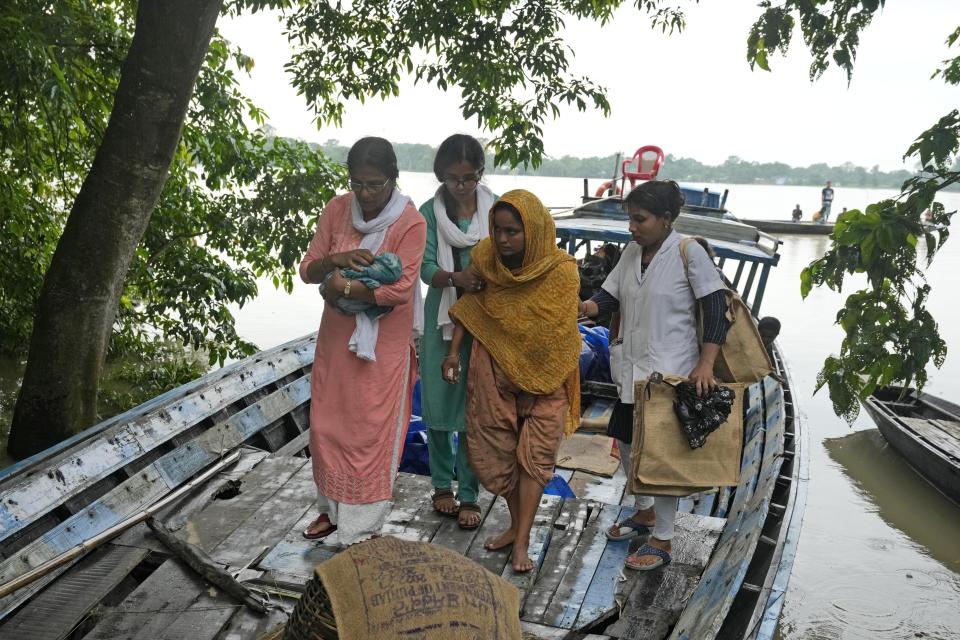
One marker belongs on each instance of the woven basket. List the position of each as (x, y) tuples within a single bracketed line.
[(312, 618)]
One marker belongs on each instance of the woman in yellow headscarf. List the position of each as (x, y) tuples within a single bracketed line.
[(523, 386)]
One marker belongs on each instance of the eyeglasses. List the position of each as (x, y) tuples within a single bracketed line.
[(372, 187), (468, 182)]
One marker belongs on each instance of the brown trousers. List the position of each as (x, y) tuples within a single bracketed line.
[(509, 429)]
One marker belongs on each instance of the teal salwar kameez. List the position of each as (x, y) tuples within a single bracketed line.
[(442, 402)]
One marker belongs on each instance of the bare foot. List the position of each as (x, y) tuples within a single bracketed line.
[(638, 561), (501, 541), (520, 560)]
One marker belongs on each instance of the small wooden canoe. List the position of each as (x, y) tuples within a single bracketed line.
[(791, 228), (925, 430)]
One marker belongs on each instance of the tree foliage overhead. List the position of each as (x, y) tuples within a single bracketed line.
[(240, 204), (507, 58), (237, 204), (890, 335)]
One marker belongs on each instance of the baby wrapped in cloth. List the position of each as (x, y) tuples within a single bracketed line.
[(385, 269)]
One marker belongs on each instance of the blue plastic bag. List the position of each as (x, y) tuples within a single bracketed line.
[(595, 354), (559, 487), (416, 456)]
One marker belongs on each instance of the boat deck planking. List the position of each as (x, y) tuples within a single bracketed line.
[(580, 575)]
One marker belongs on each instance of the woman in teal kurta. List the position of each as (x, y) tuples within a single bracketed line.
[(457, 218)]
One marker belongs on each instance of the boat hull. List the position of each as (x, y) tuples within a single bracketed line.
[(935, 464), (791, 228)]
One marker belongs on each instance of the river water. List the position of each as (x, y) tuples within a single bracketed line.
[(879, 553)]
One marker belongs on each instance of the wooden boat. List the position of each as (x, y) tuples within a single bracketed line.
[(925, 430), (733, 553), (786, 227)]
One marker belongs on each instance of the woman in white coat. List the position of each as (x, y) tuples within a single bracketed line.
[(657, 299)]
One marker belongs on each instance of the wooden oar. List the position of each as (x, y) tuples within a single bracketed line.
[(94, 542)]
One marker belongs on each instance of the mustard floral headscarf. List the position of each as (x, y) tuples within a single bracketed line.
[(527, 318)]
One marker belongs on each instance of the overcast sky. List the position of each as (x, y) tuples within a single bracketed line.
[(692, 93)]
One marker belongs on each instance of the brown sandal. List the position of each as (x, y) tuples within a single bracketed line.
[(469, 507), (323, 518), (439, 495)]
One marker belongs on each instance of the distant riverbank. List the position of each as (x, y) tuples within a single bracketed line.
[(734, 170)]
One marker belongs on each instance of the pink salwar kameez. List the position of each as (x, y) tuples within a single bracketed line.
[(359, 409)]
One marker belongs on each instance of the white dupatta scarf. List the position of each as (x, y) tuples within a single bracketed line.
[(449, 235), (363, 342)]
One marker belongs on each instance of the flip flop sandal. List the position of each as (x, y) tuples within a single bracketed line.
[(633, 530), (444, 494), (469, 507), (648, 550), (322, 518)]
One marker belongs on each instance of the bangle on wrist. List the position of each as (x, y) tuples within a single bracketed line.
[(450, 282)]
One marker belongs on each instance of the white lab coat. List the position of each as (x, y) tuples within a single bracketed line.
[(658, 321)]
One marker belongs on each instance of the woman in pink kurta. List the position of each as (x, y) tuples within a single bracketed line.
[(361, 392)]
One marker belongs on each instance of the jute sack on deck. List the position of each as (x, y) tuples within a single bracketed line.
[(662, 462), (742, 357), (389, 588)]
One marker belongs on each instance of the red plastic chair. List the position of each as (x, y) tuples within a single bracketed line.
[(647, 159)]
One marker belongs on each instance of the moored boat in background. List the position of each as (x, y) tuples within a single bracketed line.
[(788, 227), (925, 430)]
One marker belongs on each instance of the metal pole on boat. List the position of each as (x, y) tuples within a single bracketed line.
[(105, 535), (613, 181)]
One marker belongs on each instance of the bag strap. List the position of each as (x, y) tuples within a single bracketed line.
[(729, 293)]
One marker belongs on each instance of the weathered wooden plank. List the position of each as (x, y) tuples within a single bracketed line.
[(294, 555), (753, 411), (565, 606), (217, 521), (55, 613), (706, 503), (749, 470), (203, 618), (602, 592), (935, 435), (142, 489), (587, 486), (451, 536), (496, 522), (656, 598), (247, 626), (412, 517), (28, 494), (176, 515), (569, 527), (540, 535), (227, 435), (295, 446), (134, 494), (270, 521), (152, 606), (720, 582), (543, 632)]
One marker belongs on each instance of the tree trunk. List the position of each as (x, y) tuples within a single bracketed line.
[(81, 291)]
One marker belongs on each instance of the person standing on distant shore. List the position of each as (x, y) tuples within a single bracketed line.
[(826, 200), (797, 214)]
